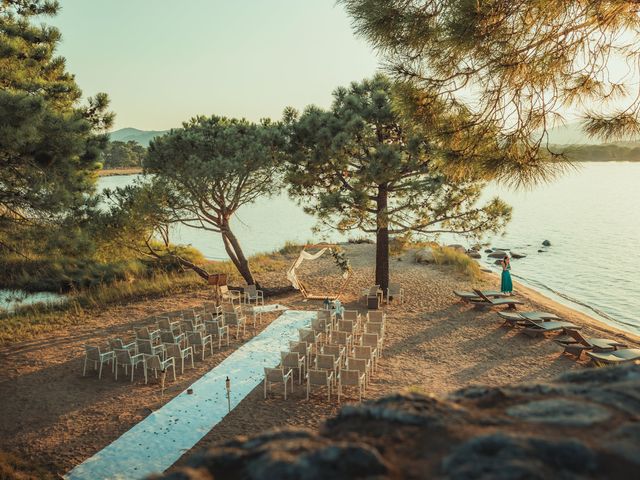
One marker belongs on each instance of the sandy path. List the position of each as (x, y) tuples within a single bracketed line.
[(55, 417)]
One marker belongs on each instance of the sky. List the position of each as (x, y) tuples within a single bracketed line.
[(162, 62)]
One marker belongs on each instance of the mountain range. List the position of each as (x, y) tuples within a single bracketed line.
[(569, 134), (143, 137)]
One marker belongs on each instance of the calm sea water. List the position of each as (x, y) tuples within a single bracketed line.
[(590, 216)]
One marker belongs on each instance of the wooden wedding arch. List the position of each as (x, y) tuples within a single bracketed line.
[(305, 255)]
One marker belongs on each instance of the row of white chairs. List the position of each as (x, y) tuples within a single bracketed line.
[(333, 353)]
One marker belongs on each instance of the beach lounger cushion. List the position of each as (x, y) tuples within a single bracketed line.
[(525, 318), (541, 327), (615, 357), (472, 295), (484, 300)]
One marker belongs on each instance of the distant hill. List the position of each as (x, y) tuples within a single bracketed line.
[(568, 138), (572, 134), (143, 137)]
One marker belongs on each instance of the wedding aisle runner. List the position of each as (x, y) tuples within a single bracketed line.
[(154, 444)]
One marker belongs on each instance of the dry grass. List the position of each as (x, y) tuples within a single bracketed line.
[(460, 262), (32, 320)]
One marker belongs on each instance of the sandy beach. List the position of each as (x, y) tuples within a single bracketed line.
[(55, 418)]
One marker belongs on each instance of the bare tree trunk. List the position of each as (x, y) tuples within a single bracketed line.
[(382, 238), (186, 263), (232, 246)]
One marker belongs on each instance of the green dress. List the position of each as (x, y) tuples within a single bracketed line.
[(506, 285)]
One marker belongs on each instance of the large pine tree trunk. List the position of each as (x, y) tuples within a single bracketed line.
[(382, 239), (232, 246)]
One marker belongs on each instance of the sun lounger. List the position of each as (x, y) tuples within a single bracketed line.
[(624, 355), (525, 318), (540, 327), (467, 296), (576, 343), (495, 302)]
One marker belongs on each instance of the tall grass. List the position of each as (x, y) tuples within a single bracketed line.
[(31, 320), (460, 262), (290, 248)]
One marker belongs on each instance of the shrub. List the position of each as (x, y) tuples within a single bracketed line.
[(290, 248), (359, 240)]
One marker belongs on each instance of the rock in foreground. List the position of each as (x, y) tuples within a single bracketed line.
[(583, 425)]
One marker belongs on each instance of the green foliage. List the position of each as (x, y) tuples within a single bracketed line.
[(360, 240), (347, 157), (34, 320), (63, 274), (123, 154), (459, 261), (48, 146), (340, 257), (290, 248), (211, 167)]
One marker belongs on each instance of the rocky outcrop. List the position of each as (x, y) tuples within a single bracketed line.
[(583, 425), (546, 243), (425, 256), (497, 254)]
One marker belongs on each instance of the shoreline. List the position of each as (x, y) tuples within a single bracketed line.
[(114, 172), (566, 311)]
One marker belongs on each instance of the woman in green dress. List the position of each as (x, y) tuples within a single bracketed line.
[(506, 285)]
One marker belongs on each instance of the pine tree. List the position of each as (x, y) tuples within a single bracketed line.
[(48, 149), (211, 167), (365, 165), (518, 64)]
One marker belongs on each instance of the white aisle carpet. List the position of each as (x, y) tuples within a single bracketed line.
[(154, 444)]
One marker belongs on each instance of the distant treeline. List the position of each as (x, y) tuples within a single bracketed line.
[(123, 154), (601, 153)]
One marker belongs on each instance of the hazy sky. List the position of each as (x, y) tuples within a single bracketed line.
[(162, 62)]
